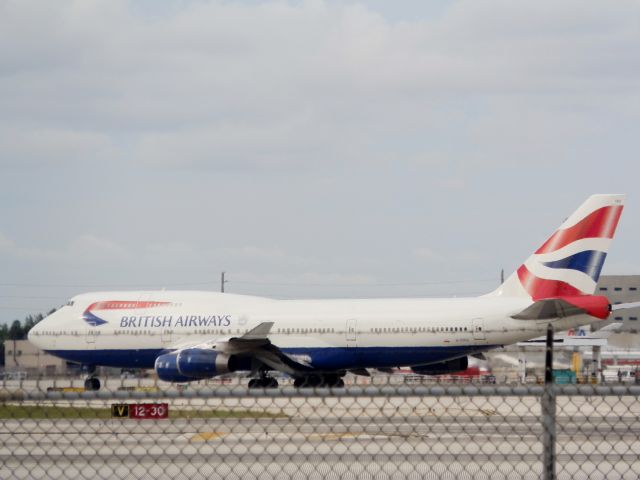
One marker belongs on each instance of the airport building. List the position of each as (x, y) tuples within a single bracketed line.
[(23, 357), (622, 289)]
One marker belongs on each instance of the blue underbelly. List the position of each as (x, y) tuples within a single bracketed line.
[(339, 358)]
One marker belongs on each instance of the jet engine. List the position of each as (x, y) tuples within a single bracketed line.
[(166, 367), (443, 368), (197, 363)]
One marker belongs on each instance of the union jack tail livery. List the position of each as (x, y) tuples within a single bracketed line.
[(569, 263)]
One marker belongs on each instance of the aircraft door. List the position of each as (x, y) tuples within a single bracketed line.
[(166, 336), (90, 337), (351, 332), (164, 332), (477, 326)]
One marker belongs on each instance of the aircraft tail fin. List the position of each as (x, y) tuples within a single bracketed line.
[(570, 261)]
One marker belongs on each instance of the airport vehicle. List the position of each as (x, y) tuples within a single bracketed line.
[(189, 335), (620, 374)]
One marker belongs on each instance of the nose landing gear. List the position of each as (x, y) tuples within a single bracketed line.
[(92, 384)]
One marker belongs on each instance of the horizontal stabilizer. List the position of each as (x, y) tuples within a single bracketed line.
[(562, 307), (547, 309)]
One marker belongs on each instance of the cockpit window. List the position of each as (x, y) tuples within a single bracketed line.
[(70, 303)]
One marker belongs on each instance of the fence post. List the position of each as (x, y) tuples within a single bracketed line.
[(548, 407)]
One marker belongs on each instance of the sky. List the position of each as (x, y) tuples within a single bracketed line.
[(309, 149)]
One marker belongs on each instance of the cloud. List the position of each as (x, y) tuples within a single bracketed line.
[(86, 248), (280, 85), (283, 140), (280, 146), (452, 183), (242, 257), (90, 248), (5, 243), (21, 147), (428, 254), (15, 251)]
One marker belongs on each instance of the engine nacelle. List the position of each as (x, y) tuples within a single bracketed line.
[(197, 363), (443, 368), (166, 367), (201, 363)]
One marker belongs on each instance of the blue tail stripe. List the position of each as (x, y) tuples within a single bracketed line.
[(589, 262)]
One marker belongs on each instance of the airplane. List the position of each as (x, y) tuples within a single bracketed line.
[(193, 335)]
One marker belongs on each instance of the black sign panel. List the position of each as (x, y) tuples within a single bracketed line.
[(120, 410)]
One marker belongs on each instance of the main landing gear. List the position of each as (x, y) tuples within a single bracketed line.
[(319, 381), (263, 382)]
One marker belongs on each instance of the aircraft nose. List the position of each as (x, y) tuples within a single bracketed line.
[(35, 333), (31, 336)]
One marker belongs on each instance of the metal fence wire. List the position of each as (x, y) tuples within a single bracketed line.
[(375, 432)]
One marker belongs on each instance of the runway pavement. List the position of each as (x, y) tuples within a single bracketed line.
[(333, 438)]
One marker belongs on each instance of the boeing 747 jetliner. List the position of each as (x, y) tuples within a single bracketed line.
[(188, 335)]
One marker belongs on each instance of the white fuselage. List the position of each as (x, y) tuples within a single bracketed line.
[(130, 329)]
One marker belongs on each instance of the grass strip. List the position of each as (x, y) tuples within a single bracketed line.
[(53, 412)]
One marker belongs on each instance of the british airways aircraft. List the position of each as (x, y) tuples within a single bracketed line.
[(189, 335)]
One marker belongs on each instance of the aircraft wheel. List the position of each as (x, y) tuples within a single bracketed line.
[(312, 381), (333, 381), (254, 383), (270, 382), (265, 382), (92, 384), (309, 381)]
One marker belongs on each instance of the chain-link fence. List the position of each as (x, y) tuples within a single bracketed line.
[(376, 432)]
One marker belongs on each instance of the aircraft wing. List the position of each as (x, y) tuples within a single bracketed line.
[(255, 343)]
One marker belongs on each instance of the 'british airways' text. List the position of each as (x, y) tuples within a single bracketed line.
[(168, 321)]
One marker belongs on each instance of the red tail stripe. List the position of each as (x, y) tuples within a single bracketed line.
[(123, 304), (599, 224), (594, 305), (540, 288)]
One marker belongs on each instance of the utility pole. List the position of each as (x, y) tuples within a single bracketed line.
[(222, 282), (501, 276), (548, 410)]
